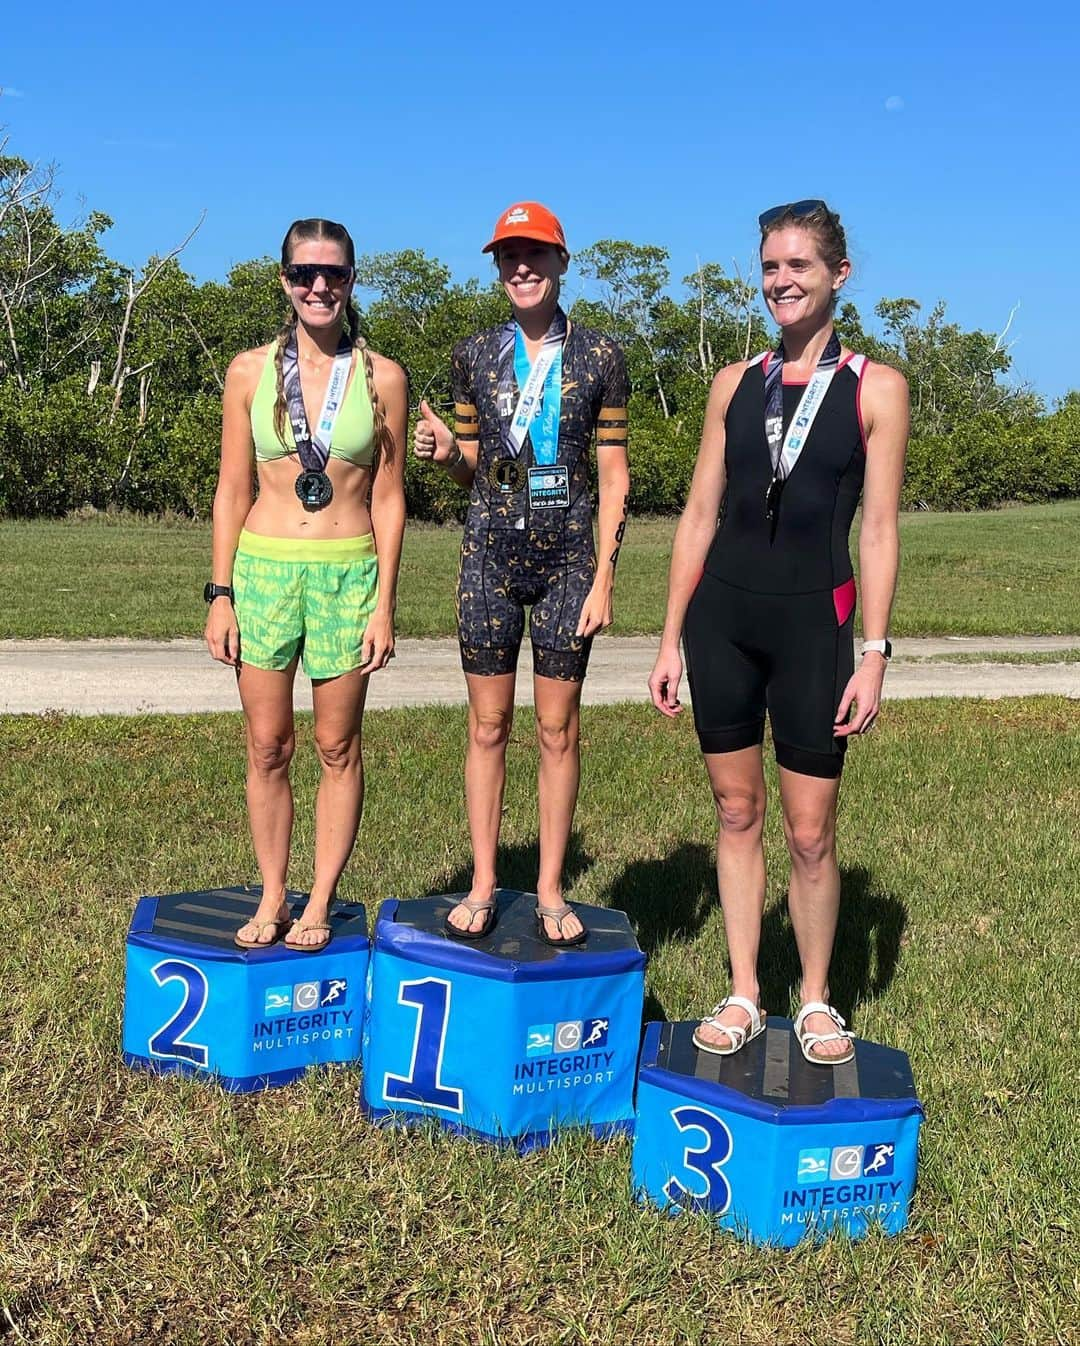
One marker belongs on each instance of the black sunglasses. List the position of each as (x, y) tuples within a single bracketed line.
[(304, 273), (796, 208)]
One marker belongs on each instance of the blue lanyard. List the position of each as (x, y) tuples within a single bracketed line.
[(544, 430)]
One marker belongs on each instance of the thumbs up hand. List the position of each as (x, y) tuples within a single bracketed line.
[(433, 438)]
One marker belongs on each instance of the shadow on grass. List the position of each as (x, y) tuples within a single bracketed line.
[(517, 867), (865, 953), (669, 898)]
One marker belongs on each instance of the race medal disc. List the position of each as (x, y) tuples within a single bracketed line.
[(507, 475), (314, 490)]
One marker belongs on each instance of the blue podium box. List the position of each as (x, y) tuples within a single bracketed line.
[(506, 1039), (774, 1148), (195, 1004)]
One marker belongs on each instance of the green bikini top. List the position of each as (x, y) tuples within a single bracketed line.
[(354, 430)]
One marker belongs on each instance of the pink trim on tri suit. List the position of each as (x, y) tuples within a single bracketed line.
[(858, 405), (843, 597)]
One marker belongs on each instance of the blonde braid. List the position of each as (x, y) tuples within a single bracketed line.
[(383, 440), (282, 340)]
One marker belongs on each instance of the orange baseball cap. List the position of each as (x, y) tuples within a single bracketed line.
[(528, 219)]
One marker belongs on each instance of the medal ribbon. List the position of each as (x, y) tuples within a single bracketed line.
[(784, 450), (315, 451), (539, 404)]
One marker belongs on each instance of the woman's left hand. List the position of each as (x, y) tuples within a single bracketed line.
[(863, 691), (596, 611), (377, 647)]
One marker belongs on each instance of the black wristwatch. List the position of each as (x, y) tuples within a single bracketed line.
[(213, 591)]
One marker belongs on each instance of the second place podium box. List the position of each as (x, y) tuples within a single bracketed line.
[(507, 1038), (196, 1004)]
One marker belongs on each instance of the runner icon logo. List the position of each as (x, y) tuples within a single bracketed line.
[(878, 1159), (333, 991)]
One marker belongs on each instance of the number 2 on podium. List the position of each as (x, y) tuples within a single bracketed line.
[(423, 1084), (168, 1041)]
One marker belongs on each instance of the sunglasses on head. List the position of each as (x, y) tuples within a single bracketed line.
[(796, 208), (303, 274)]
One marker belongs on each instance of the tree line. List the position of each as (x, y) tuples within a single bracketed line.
[(111, 378)]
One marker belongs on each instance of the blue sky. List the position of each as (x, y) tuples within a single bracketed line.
[(945, 134)]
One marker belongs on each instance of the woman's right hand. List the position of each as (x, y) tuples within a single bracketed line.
[(433, 439), (664, 681), (222, 633)]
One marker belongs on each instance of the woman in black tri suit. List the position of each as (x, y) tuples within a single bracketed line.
[(529, 397), (765, 602)]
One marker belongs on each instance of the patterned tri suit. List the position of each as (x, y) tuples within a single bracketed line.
[(520, 550)]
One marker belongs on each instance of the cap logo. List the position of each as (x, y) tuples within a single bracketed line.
[(519, 215)]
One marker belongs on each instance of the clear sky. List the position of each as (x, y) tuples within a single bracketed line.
[(944, 133)]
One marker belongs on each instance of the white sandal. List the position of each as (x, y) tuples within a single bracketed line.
[(739, 1036), (808, 1041)]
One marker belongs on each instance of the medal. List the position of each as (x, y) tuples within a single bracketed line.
[(507, 475), (314, 490), (772, 498)]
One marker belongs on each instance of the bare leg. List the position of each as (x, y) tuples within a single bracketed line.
[(339, 711), (814, 892), (491, 714), (558, 705), (738, 786), (266, 696)]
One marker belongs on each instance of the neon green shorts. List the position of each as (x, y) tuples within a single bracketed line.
[(315, 596)]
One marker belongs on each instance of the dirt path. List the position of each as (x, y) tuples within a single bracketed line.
[(127, 677)]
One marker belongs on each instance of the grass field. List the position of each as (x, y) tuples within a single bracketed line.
[(137, 1209), (1014, 571)]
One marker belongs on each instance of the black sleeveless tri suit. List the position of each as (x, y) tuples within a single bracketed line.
[(770, 624)]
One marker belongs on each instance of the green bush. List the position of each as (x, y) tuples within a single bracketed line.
[(987, 461)]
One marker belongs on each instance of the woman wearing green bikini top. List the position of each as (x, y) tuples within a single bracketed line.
[(309, 570)]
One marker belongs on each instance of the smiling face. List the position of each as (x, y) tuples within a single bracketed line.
[(798, 285), (321, 305), (530, 273)]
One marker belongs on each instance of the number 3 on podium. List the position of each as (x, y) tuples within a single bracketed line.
[(704, 1160), (430, 997)]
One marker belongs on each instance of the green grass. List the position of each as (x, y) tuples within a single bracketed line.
[(138, 1209), (1068, 656), (1009, 572)]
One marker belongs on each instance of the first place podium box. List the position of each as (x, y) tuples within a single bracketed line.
[(506, 1039), (196, 1004), (774, 1148)]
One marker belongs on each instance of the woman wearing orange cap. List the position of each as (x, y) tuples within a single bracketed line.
[(529, 395)]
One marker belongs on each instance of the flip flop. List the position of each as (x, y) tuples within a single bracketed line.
[(310, 948), (808, 1041), (263, 925), (558, 915), (474, 909), (739, 1036)]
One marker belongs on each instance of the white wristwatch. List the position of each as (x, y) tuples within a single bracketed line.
[(879, 646)]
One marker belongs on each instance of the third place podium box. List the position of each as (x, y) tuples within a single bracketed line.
[(507, 1038), (196, 1004), (775, 1148)]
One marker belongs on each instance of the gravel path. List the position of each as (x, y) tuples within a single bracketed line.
[(128, 677)]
